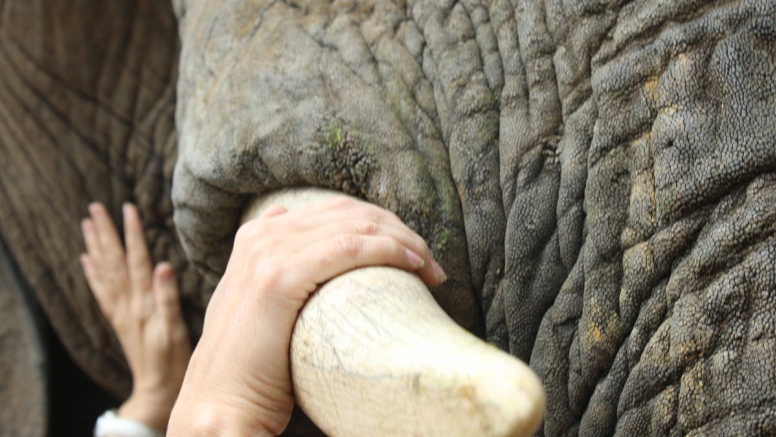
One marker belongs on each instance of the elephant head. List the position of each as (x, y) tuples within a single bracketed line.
[(599, 177), (599, 174)]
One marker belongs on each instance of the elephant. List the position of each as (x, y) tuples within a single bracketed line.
[(598, 177)]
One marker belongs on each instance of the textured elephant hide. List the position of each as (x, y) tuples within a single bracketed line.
[(608, 168)]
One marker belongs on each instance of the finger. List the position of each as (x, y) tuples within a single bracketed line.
[(333, 213), (109, 241), (88, 269), (90, 239), (339, 202), (104, 300), (303, 219), (333, 210), (166, 295), (138, 259), (429, 270), (329, 258), (273, 211), (342, 214)]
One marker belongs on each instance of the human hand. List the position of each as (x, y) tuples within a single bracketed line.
[(238, 381), (144, 309)]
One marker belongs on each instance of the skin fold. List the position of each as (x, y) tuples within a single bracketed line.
[(598, 178)]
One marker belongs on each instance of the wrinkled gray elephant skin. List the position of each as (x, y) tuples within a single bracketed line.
[(608, 168), (597, 177), (87, 102)]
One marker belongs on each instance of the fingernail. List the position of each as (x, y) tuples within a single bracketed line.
[(96, 208), (126, 209), (438, 272), (415, 260), (86, 226), (165, 272)]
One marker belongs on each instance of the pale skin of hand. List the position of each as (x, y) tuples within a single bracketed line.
[(238, 382), (143, 307)]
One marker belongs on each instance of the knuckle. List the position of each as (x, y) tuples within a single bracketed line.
[(138, 309), (371, 214), (325, 261), (247, 230), (292, 224), (343, 202), (396, 248), (270, 273), (349, 246), (254, 234), (270, 244), (385, 214), (421, 244), (168, 298), (367, 228)]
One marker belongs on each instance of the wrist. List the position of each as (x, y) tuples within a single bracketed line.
[(151, 411), (214, 420), (216, 394)]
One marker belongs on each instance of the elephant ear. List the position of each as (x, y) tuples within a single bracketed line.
[(87, 114), (24, 396), (270, 97)]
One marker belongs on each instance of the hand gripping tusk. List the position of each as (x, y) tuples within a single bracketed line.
[(373, 355)]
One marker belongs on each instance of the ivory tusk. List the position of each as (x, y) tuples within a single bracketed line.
[(373, 355)]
